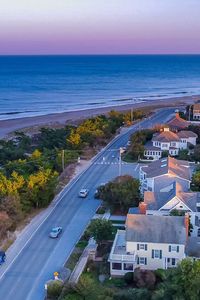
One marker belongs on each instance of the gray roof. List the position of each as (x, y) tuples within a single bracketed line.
[(170, 166), (193, 247), (158, 199), (186, 134), (190, 199), (155, 229), (149, 146)]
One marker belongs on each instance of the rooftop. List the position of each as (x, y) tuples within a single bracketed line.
[(186, 134), (166, 137), (196, 106), (169, 166), (155, 229), (178, 123), (193, 247), (156, 200)]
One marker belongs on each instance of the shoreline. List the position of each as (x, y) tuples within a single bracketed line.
[(7, 127)]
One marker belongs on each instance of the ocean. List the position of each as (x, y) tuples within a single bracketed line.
[(39, 85)]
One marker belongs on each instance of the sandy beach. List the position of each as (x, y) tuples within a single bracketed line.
[(59, 119)]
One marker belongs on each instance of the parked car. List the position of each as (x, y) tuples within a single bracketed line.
[(83, 193), (2, 257), (55, 232), (97, 192)]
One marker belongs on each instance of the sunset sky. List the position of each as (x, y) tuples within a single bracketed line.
[(99, 26)]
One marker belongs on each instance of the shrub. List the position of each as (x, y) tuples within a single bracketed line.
[(54, 289), (144, 278), (128, 277)]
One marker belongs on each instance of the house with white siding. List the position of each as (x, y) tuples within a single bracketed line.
[(170, 142), (171, 198), (163, 172), (149, 242), (196, 111)]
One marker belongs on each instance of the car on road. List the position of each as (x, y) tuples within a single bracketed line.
[(83, 193), (55, 232), (2, 257)]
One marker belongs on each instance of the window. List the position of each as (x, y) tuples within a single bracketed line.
[(198, 233), (142, 260), (173, 248), (128, 267), (141, 246), (157, 254), (116, 266), (173, 261)]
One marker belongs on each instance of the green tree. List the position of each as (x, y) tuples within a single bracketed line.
[(101, 230), (121, 193), (181, 282)]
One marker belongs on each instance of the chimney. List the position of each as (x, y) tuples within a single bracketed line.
[(166, 129), (187, 224), (142, 208)]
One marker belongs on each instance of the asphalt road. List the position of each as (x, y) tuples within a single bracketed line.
[(24, 275)]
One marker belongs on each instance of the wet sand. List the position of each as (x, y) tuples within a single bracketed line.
[(60, 119)]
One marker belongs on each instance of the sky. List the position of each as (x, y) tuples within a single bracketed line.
[(99, 26)]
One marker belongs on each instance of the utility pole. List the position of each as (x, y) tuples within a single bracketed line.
[(131, 115), (63, 160), (121, 150)]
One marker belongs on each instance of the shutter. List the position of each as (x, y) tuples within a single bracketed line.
[(170, 248), (177, 249), (145, 247), (138, 247), (138, 260), (145, 261), (160, 254), (152, 253)]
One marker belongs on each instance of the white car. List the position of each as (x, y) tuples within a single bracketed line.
[(83, 193), (55, 232)]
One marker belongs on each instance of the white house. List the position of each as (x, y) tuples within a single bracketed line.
[(172, 198), (161, 173), (196, 111), (170, 142), (149, 242)]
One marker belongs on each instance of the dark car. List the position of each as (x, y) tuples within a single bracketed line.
[(2, 257), (55, 232)]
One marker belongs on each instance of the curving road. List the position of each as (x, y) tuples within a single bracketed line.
[(32, 260)]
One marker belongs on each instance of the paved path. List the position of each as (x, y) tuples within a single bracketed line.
[(36, 257)]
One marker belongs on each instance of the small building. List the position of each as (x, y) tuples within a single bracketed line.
[(149, 242), (170, 142), (196, 111), (163, 172)]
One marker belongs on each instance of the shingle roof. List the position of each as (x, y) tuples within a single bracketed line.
[(166, 136), (186, 134), (178, 123), (193, 247), (190, 199), (156, 200), (149, 146), (170, 166), (155, 229), (196, 106)]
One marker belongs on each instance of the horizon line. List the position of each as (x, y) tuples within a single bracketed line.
[(100, 54)]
